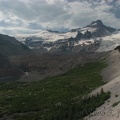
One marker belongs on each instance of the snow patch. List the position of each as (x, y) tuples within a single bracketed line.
[(88, 29), (109, 42), (48, 48), (85, 42)]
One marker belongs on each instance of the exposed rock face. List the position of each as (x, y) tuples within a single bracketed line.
[(87, 35), (101, 29), (79, 36)]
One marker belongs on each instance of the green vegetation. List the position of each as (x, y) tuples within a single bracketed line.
[(116, 95), (63, 97), (115, 104)]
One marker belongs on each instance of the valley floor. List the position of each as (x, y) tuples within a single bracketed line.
[(63, 97)]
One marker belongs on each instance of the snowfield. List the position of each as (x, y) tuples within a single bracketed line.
[(85, 42), (49, 36), (109, 42), (85, 29), (52, 37)]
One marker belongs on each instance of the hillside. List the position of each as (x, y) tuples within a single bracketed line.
[(66, 94), (111, 74), (8, 71), (66, 82), (43, 65), (59, 59), (10, 46), (62, 97)]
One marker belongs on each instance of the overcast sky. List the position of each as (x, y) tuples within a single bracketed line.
[(31, 16)]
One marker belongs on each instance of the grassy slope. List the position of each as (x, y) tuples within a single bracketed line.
[(54, 98)]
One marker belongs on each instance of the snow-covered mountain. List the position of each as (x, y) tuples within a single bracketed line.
[(93, 37)]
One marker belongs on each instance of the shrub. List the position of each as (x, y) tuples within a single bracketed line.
[(115, 104)]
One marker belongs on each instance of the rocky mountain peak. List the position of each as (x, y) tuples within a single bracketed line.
[(87, 35), (97, 23)]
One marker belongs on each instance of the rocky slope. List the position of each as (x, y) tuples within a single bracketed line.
[(8, 71), (111, 74), (10, 46), (43, 65)]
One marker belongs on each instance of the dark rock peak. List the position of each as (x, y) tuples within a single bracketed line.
[(71, 39), (101, 29), (97, 22), (75, 30), (52, 31), (87, 35), (79, 35)]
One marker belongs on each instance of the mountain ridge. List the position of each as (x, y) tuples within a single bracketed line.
[(10, 46), (76, 40)]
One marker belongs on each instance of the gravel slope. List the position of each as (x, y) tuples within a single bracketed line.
[(111, 74)]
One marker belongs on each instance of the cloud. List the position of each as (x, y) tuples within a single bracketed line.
[(26, 16), (34, 26), (18, 30)]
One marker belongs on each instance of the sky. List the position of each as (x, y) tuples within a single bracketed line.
[(32, 16)]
